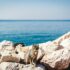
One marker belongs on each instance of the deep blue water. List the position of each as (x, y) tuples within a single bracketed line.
[(32, 32)]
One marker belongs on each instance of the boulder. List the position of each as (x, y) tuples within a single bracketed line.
[(9, 59), (18, 66), (9, 66), (66, 43), (6, 52), (45, 45), (48, 47), (58, 60), (62, 38), (9, 56), (6, 45), (21, 49)]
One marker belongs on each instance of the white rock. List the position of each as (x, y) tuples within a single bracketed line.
[(18, 66), (21, 55), (7, 55), (65, 43), (58, 59), (48, 47), (41, 53), (6, 52), (9, 59), (62, 38), (6, 45)]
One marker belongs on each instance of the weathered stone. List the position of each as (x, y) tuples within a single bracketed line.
[(65, 43), (6, 45), (9, 59), (58, 59), (17, 66), (41, 53), (62, 38), (48, 47)]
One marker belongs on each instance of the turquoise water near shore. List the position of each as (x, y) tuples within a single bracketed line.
[(32, 32)]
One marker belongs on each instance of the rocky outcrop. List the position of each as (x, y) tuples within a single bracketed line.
[(52, 55), (59, 58), (11, 58)]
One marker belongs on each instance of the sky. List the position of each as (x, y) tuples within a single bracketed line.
[(34, 9)]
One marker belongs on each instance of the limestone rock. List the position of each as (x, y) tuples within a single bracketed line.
[(6, 52), (58, 59), (17, 66), (48, 47), (9, 59), (9, 66), (41, 53), (9, 56), (22, 49), (6, 45), (65, 43), (62, 38)]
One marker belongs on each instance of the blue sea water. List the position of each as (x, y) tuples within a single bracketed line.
[(32, 31)]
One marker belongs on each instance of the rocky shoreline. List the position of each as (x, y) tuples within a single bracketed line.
[(52, 55)]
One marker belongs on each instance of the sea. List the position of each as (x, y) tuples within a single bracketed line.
[(32, 31)]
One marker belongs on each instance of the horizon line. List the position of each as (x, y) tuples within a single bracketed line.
[(36, 20)]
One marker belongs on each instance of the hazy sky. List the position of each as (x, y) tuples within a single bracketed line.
[(34, 9)]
